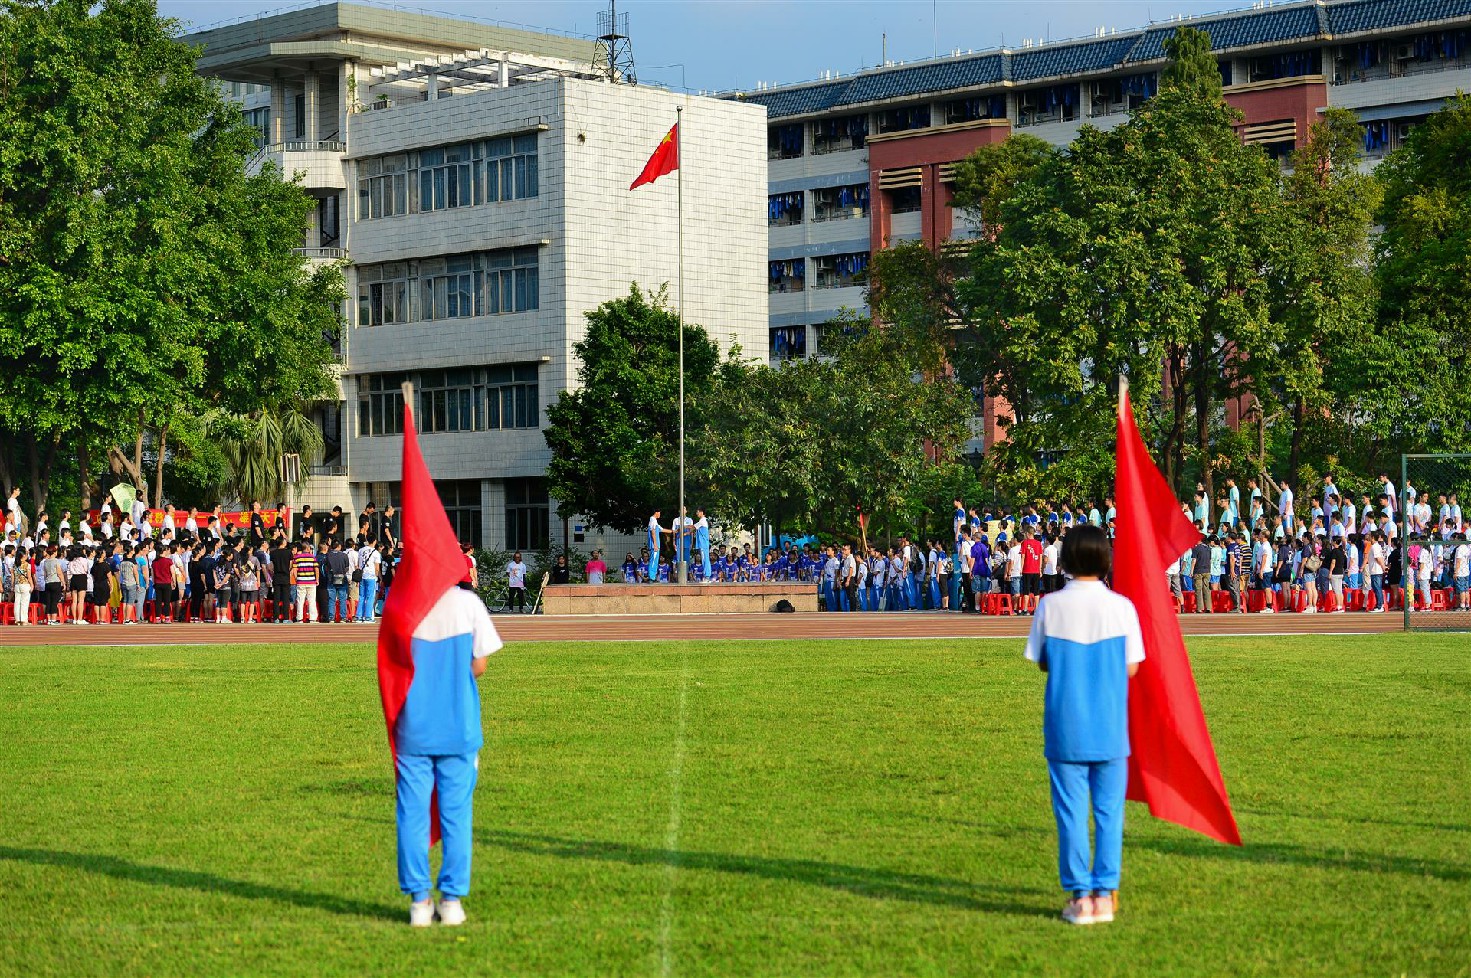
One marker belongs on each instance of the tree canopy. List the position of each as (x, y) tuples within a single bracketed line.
[(1262, 326), (144, 275)]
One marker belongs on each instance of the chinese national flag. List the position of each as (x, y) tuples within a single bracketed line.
[(1173, 767), (431, 565), (665, 159)]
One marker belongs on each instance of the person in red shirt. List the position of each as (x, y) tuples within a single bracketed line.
[(163, 583), (1031, 568)]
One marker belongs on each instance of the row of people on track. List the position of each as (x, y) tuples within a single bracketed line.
[(213, 580)]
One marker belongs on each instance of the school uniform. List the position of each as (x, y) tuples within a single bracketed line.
[(1087, 636), (437, 740)]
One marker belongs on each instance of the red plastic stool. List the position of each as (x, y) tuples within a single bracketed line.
[(1190, 602)]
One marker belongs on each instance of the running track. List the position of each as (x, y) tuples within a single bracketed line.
[(628, 628)]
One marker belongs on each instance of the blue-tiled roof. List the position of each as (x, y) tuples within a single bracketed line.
[(938, 77), (797, 101), (1273, 25), (1071, 59), (1369, 15), (1247, 30), (916, 80)]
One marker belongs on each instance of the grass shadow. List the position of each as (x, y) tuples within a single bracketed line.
[(201, 882), (1316, 858), (858, 880)]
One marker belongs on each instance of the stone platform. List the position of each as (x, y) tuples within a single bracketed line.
[(674, 599)]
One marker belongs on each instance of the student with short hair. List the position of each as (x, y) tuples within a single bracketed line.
[(1088, 641)]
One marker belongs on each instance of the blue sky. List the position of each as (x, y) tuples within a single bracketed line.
[(728, 44)]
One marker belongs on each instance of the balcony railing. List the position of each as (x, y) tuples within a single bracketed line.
[(307, 146), (331, 254)]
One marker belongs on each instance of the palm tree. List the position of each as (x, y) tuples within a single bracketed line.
[(253, 445)]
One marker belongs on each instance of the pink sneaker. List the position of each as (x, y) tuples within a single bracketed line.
[(1103, 908), (1079, 910)]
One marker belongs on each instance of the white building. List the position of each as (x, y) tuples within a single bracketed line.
[(482, 198)]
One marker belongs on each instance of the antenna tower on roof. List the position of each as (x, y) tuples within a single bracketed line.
[(613, 53)]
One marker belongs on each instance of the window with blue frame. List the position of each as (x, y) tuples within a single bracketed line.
[(902, 120), (788, 342), (789, 275), (784, 210), (840, 203), (841, 271), (839, 135), (1408, 55), (975, 108), (1112, 96), (1055, 103), (1289, 64), (1386, 135), (784, 142)]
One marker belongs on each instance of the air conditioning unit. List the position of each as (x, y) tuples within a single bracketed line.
[(1404, 52)]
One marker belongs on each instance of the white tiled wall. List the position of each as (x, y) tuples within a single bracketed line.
[(595, 238)]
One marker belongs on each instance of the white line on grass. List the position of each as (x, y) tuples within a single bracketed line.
[(671, 834)]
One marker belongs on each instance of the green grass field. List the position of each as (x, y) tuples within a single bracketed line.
[(845, 808)]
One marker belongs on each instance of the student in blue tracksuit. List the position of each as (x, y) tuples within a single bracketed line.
[(1088, 641), (702, 541), (437, 742)]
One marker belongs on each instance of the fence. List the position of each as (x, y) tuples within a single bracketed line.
[(1431, 578)]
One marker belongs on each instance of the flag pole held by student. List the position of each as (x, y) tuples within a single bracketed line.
[(1173, 766), (431, 565)]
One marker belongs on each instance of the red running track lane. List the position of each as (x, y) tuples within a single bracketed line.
[(639, 628)]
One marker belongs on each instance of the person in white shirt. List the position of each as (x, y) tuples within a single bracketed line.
[(370, 562), (1051, 579), (1284, 507), (516, 582), (1461, 571), (1424, 567), (1374, 570), (12, 510), (1422, 513)]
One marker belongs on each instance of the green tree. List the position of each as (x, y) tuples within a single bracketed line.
[(1323, 290), (1417, 375), (987, 178), (1191, 68), (804, 445), (143, 274), (1143, 245), (614, 438), (252, 446)]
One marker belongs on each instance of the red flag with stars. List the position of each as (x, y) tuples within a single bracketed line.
[(665, 159)]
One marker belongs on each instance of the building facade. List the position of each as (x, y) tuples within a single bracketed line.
[(860, 163), (481, 197)]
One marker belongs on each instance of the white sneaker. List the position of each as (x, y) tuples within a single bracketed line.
[(421, 913), (1268, 610), (451, 913), (1377, 611)]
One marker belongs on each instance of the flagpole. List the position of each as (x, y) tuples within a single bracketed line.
[(681, 566)]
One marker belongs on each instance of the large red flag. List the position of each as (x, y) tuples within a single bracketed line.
[(1173, 767), (432, 564), (665, 159)]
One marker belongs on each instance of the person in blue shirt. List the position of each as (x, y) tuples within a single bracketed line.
[(958, 519), (702, 542), (437, 741), (1087, 640), (655, 542), (1233, 502)]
